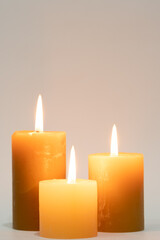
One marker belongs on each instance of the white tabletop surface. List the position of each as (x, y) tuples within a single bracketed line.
[(152, 232)]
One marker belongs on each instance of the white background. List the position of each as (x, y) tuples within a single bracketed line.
[(96, 63)]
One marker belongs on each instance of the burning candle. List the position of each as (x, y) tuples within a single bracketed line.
[(36, 156), (119, 179), (68, 208)]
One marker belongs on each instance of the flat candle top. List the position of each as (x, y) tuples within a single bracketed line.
[(120, 155), (34, 133), (64, 181)]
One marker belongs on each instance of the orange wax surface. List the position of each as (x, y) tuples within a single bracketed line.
[(68, 210), (36, 156), (120, 191)]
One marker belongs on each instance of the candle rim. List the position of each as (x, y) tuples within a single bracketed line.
[(120, 155), (64, 181), (30, 132)]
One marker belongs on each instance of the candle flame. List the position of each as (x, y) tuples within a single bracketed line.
[(72, 167), (39, 115), (114, 142)]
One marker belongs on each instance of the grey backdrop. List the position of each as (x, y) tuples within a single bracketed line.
[(95, 63)]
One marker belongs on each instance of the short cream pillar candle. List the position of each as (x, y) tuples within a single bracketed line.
[(68, 208)]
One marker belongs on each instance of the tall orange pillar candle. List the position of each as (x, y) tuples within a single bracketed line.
[(68, 208), (36, 156), (119, 179)]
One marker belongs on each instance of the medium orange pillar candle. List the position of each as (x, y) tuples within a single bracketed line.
[(36, 156), (68, 208), (119, 179)]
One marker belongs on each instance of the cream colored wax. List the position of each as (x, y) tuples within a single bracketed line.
[(68, 210), (36, 156), (120, 191)]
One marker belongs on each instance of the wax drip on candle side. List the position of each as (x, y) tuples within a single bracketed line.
[(114, 142), (72, 167)]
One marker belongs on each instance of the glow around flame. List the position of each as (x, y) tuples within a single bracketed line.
[(39, 115), (72, 167), (114, 142)]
